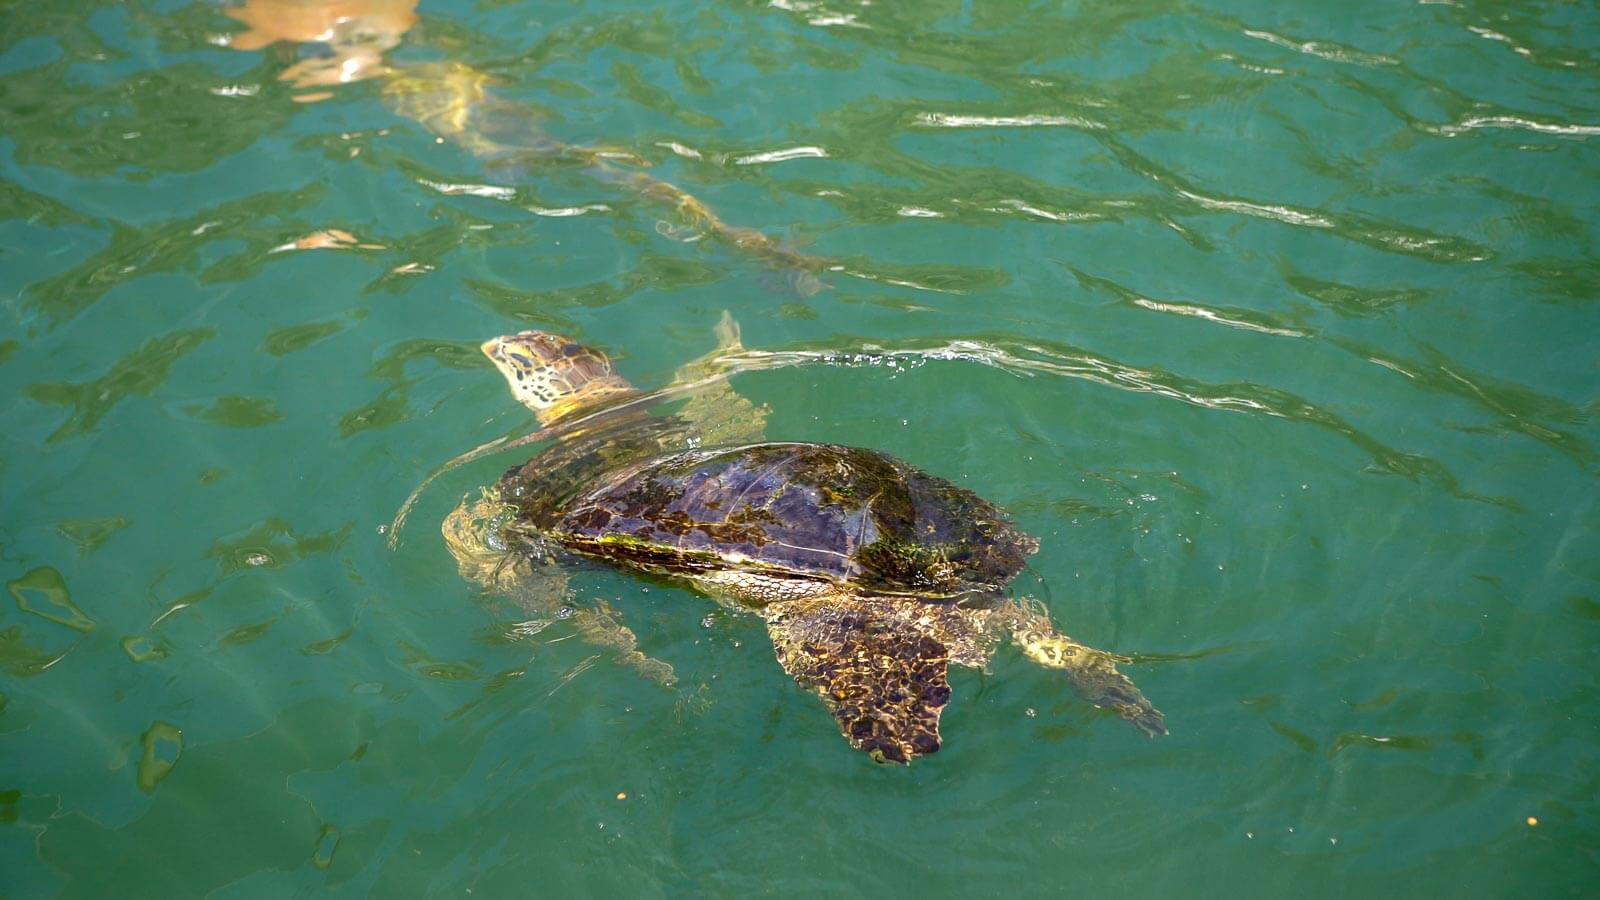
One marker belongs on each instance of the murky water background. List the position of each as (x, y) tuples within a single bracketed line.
[(1276, 322)]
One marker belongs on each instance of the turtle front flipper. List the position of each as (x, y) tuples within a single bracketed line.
[(600, 626), (540, 589), (880, 668), (716, 412), (1092, 673)]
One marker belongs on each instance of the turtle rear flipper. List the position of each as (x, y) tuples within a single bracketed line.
[(881, 672), (1092, 673)]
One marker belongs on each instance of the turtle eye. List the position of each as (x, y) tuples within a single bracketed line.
[(520, 359)]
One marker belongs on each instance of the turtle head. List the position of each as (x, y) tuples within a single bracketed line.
[(551, 375)]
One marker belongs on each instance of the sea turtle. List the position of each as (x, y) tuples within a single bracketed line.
[(352, 40), (871, 576)]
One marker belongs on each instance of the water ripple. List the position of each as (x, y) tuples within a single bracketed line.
[(1324, 49), (776, 156), (951, 120), (1472, 123)]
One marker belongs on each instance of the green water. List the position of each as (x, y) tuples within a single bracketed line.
[(1275, 322)]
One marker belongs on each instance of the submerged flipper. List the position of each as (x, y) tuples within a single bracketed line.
[(601, 626), (1092, 673), (879, 665), (718, 414), (474, 535)]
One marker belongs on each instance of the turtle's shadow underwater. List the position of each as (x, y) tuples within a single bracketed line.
[(872, 577)]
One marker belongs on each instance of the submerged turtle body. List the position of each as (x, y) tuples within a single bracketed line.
[(456, 102), (872, 576), (836, 516)]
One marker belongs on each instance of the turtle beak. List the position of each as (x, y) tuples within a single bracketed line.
[(491, 347)]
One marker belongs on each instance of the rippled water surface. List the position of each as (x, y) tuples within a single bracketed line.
[(1276, 322)]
